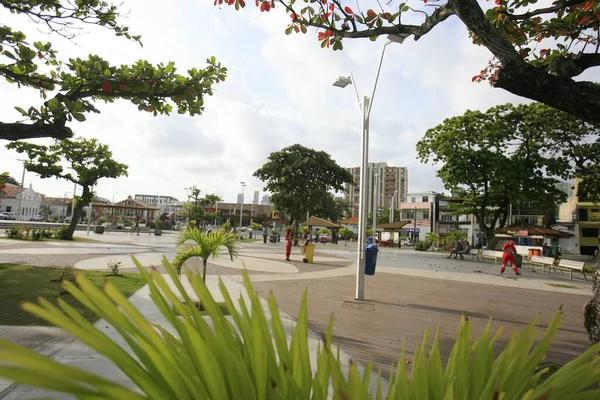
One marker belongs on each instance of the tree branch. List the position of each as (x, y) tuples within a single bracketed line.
[(569, 67), (19, 131), (558, 6)]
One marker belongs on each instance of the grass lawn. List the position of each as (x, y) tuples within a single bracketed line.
[(20, 283)]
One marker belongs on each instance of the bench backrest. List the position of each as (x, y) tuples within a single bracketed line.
[(492, 253), (578, 265), (542, 260), (474, 252)]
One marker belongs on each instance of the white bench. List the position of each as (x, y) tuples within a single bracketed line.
[(491, 254), (473, 253), (571, 265), (539, 261)]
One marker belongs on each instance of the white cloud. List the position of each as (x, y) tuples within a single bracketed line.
[(278, 93)]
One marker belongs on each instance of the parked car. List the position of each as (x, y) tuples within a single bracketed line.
[(38, 218), (8, 215)]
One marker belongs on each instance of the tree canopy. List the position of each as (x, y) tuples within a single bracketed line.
[(70, 89), (537, 49), (301, 181), (194, 209), (88, 161), (509, 155)]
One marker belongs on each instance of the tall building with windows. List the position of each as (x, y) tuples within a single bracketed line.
[(389, 180), (256, 194)]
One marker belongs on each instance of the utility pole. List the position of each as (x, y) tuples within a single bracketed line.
[(21, 194)]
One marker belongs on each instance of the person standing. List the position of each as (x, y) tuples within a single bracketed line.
[(508, 256), (288, 244)]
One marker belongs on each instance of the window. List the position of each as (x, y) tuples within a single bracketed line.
[(8, 208), (410, 214), (413, 199), (447, 217), (583, 214), (595, 210), (425, 199), (426, 214), (589, 232)]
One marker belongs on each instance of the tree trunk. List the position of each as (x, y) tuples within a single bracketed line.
[(77, 211), (296, 227), (591, 310), (204, 264)]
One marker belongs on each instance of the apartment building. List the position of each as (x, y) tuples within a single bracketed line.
[(385, 185)]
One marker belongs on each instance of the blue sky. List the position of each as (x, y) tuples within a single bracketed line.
[(278, 93)]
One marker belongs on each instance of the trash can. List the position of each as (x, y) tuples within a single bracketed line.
[(370, 259), (265, 238), (309, 253), (99, 229)]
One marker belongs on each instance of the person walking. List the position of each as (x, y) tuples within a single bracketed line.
[(508, 256)]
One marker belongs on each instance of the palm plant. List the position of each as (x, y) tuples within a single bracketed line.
[(204, 246), (431, 238)]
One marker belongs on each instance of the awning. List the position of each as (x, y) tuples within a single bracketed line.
[(391, 226), (315, 221)]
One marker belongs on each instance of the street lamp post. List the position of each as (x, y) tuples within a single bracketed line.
[(242, 206), (375, 187), (365, 106)]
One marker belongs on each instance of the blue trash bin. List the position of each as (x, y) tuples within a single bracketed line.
[(370, 259)]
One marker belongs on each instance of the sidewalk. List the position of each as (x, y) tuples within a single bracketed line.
[(400, 307)]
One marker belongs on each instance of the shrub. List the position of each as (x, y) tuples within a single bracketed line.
[(47, 233), (113, 267), (15, 232), (62, 233), (67, 274), (36, 234), (250, 357), (422, 246)]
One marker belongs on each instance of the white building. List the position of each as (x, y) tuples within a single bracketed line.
[(265, 200), (164, 203), (240, 198), (30, 201), (255, 200)]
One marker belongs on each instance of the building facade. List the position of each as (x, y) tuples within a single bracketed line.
[(386, 185), (266, 200), (163, 203), (30, 201)]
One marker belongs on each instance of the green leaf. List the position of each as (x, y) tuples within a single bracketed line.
[(78, 116), (288, 30)]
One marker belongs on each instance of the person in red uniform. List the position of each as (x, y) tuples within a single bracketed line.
[(509, 257), (288, 244)]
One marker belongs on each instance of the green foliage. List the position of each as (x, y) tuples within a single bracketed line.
[(346, 233), (324, 231), (70, 88), (249, 355), (63, 233), (195, 208), (67, 274), (509, 155), (24, 232), (226, 227), (203, 246), (422, 246), (88, 160), (255, 226), (301, 179)]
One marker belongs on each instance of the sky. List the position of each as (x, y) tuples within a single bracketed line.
[(278, 92)]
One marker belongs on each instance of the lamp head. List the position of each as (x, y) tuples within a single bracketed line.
[(343, 81), (398, 38)]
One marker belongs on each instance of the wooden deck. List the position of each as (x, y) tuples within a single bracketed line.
[(403, 307)]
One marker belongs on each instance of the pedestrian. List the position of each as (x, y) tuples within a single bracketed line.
[(458, 246), (508, 256), (466, 248), (288, 244)]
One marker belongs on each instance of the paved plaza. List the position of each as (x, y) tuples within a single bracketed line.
[(411, 292)]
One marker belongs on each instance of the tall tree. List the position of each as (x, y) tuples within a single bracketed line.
[(508, 155), (301, 180), (537, 49), (88, 160), (69, 89)]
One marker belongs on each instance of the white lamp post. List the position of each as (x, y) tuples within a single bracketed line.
[(365, 106), (242, 206), (392, 204), (375, 187)]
